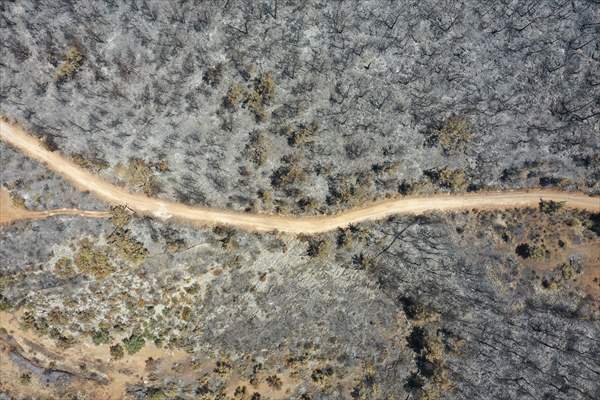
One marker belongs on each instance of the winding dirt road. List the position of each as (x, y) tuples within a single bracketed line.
[(141, 204)]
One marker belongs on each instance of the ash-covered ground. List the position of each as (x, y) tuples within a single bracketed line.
[(310, 106), (302, 107)]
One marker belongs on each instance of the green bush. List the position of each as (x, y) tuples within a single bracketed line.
[(100, 336), (134, 343)]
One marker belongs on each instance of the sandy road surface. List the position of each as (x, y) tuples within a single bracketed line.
[(84, 180), (9, 212)]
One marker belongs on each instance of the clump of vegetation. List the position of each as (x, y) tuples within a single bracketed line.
[(550, 207), (95, 165), (235, 96), (101, 336), (228, 241), (446, 178), (302, 134), (453, 136), (348, 189), (257, 149), (345, 238), (265, 87), (418, 313), (254, 99), (119, 216), (72, 63), (186, 313), (139, 175), (133, 343), (431, 378), (5, 304), (17, 200), (386, 168), (223, 367), (561, 275), (255, 103), (318, 248), (64, 268), (525, 250), (291, 172), (93, 261), (127, 247), (116, 351), (363, 261), (274, 381), (319, 375), (25, 378), (307, 203), (593, 223)]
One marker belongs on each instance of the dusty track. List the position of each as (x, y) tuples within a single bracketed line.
[(10, 213), (17, 137)]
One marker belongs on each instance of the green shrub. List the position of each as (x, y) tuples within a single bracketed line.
[(134, 343), (101, 336)]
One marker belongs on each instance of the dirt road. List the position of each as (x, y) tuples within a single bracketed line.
[(85, 181)]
